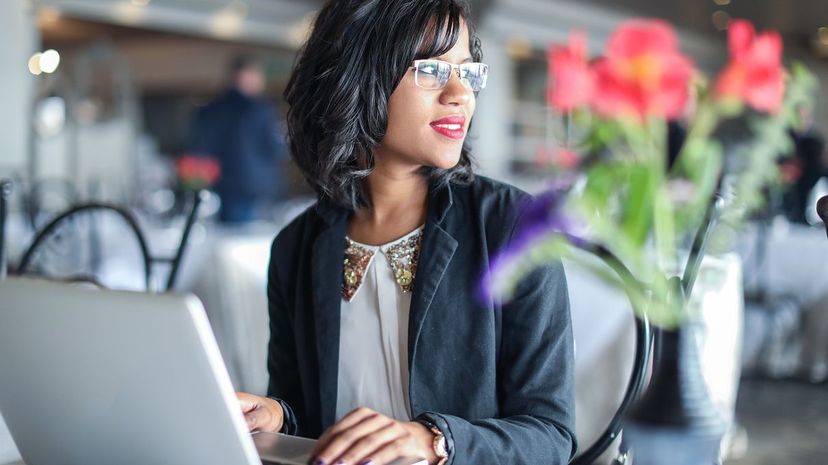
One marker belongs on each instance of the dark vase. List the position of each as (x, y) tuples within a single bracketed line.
[(675, 422)]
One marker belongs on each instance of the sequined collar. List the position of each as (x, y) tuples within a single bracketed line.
[(403, 255)]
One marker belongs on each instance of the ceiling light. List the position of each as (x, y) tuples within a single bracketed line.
[(47, 16), (49, 61), (519, 47), (228, 22), (140, 2), (34, 64), (722, 2), (822, 33), (721, 20), (300, 31), (129, 13)]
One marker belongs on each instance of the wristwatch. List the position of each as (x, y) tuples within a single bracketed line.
[(438, 443)]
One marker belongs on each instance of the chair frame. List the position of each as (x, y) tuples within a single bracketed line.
[(5, 193), (148, 259)]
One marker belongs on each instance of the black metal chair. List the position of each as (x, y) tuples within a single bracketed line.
[(644, 341), (822, 211), (43, 196), (54, 237), (5, 193)]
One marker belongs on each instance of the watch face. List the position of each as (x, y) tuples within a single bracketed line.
[(441, 447)]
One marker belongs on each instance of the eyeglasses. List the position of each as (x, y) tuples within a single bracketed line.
[(435, 74)]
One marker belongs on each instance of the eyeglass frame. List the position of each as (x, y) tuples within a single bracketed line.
[(453, 68)]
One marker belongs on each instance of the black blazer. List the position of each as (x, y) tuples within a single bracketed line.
[(496, 379)]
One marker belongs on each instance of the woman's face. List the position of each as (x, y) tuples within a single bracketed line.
[(428, 127)]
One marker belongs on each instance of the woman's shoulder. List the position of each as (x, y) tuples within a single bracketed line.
[(493, 206), (487, 186), (294, 237), (492, 198)]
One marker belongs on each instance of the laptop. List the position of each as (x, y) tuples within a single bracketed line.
[(89, 376)]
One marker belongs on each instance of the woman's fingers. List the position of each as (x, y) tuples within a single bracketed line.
[(349, 420), (352, 429), (378, 448), (249, 405), (260, 413), (253, 420), (247, 402)]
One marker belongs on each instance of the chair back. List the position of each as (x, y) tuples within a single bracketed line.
[(73, 246)]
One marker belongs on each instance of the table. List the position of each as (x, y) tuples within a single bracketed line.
[(232, 286), (790, 263), (235, 299)]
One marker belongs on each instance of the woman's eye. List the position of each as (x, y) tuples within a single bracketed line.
[(429, 69)]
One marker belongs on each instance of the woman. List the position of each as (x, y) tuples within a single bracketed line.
[(379, 339)]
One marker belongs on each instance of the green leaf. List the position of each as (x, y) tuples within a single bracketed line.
[(601, 180), (664, 229), (636, 219)]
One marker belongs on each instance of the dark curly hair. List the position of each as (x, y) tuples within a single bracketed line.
[(356, 55)]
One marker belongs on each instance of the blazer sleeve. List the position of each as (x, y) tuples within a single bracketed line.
[(281, 354), (536, 424)]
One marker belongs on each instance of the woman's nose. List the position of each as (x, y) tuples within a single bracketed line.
[(456, 91)]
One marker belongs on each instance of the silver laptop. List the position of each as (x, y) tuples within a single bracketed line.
[(101, 377)]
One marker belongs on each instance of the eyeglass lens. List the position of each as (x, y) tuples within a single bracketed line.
[(434, 74)]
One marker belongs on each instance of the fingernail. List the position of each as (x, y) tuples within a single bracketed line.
[(367, 462)]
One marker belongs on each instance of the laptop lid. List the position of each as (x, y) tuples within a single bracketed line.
[(90, 376)]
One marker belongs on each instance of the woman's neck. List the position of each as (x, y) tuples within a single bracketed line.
[(398, 206)]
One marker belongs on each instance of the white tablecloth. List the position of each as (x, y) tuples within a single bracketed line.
[(233, 288), (795, 261), (788, 330)]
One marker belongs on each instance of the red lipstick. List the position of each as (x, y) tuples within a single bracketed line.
[(452, 127)]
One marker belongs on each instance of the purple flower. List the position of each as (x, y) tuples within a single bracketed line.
[(540, 216), (539, 219)]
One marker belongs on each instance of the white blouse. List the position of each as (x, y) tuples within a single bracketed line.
[(373, 338)]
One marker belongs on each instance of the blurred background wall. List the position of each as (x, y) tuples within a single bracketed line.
[(133, 71), (20, 36)]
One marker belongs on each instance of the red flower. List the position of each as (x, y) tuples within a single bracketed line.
[(567, 159), (571, 80), (643, 73), (754, 74), (543, 156), (198, 170)]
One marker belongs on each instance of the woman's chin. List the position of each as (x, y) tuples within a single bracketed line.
[(446, 161)]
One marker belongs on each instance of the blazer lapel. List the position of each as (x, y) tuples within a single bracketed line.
[(327, 265), (436, 251)]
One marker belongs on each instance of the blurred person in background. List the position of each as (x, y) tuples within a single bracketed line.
[(239, 130), (808, 164)]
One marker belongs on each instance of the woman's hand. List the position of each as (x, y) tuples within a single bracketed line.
[(366, 437), (261, 413)]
